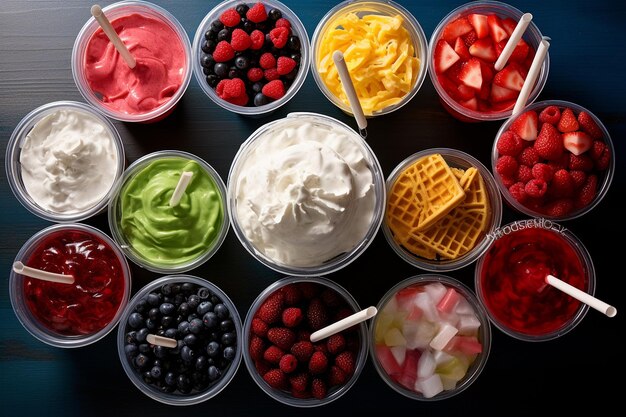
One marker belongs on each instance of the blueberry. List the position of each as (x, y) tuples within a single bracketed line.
[(131, 337), (291, 75), (131, 351), (135, 320), (187, 287), (154, 299), (147, 378), (215, 336), (210, 35), (221, 310), (274, 14), (257, 87), (190, 339), (223, 35), (293, 43), (242, 62), (152, 324), (229, 353), (155, 372), (166, 289), (214, 373), (204, 308), (161, 351), (187, 354), (248, 26), (183, 384), (242, 9), (213, 349), (167, 388), (154, 313), (229, 338), (141, 305), (262, 26), (193, 301), (207, 71), (203, 293), (213, 80), (183, 328), (183, 309), (192, 316), (216, 26), (171, 333), (167, 309), (208, 46), (179, 299), (167, 321), (144, 348), (195, 326), (170, 378), (142, 334), (226, 325), (201, 363), (141, 361), (221, 70), (209, 320)]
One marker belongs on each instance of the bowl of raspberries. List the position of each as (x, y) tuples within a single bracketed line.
[(279, 354), (555, 159), (251, 57)]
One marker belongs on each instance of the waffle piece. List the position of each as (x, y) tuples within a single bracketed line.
[(459, 231), (423, 193)]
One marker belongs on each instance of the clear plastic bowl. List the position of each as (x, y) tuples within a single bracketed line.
[(177, 398), (519, 289), (120, 236), (372, 206), (112, 12), (297, 28), (14, 150), (286, 397), (604, 179), (458, 159), (18, 298), (364, 8), (484, 335), (532, 36)]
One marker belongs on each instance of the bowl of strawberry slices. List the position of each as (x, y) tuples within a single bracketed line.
[(463, 51), (554, 160)]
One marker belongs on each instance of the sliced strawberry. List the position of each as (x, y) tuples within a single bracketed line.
[(471, 75), (449, 86), (445, 56), (496, 29), (470, 38), (576, 142), (465, 92), (479, 22), (484, 49), (510, 77), (453, 30), (519, 53), (471, 104), (503, 106), (487, 70), (461, 49), (499, 94), (509, 25), (567, 122), (526, 125)]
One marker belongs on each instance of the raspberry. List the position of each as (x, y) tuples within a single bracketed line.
[(318, 363), (279, 37), (336, 344), (259, 327), (549, 144), (536, 188), (318, 388), (578, 178), (528, 156), (589, 125), (299, 381), (506, 166), (288, 363), (271, 309), (258, 39), (271, 75), (509, 144), (302, 350), (316, 315), (309, 290), (267, 61), (581, 162), (346, 361), (274, 89), (240, 40), (559, 208), (275, 378), (304, 334), (342, 314), (231, 88), (508, 181), (223, 52), (284, 65), (562, 184), (561, 163), (587, 193), (550, 114), (292, 294), (255, 74), (281, 337), (273, 354), (524, 173), (262, 367), (283, 23), (517, 191), (292, 316), (336, 376), (230, 18), (257, 13), (542, 172), (257, 347), (330, 298), (568, 122)]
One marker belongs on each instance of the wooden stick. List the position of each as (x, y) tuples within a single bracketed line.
[(96, 12)]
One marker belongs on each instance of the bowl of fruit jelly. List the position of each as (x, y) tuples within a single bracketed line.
[(463, 50), (431, 337), (385, 50), (251, 57), (554, 160), (510, 279), (204, 329), (78, 314), (278, 352)]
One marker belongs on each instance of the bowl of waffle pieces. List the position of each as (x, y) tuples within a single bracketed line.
[(442, 206)]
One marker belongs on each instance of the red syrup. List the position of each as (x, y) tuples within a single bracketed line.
[(88, 305), (513, 280)]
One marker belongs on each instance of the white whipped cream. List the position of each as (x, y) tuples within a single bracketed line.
[(305, 192), (69, 161)]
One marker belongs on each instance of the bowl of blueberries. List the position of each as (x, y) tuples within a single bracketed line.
[(251, 57), (179, 340)]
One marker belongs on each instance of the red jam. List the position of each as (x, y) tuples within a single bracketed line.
[(513, 280), (88, 305)]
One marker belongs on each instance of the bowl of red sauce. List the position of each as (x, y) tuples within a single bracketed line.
[(84, 308)]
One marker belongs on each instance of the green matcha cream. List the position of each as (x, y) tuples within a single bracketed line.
[(165, 235)]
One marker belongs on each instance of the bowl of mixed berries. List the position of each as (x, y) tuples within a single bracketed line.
[(251, 57), (555, 159)]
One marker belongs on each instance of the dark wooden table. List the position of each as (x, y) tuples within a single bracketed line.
[(582, 369)]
